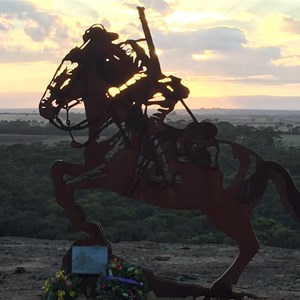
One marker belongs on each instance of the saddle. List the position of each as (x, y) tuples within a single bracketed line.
[(195, 144)]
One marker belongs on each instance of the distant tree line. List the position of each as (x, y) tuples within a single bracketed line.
[(28, 207), (29, 127)]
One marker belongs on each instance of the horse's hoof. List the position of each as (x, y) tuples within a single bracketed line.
[(220, 289)]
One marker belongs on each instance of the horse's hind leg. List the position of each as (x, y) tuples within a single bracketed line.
[(242, 232)]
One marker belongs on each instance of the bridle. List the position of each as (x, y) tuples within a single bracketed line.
[(58, 123), (106, 119)]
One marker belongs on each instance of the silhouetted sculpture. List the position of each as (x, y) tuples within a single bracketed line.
[(161, 165)]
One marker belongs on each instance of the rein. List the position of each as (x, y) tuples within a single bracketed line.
[(58, 123)]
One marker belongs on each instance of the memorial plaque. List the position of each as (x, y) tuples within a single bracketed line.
[(89, 259)]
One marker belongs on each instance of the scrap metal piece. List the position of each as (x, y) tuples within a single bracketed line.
[(146, 148)]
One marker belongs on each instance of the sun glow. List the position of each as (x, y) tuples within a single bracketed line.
[(190, 19), (207, 54), (25, 74)]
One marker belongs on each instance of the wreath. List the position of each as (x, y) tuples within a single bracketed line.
[(62, 286), (121, 280)]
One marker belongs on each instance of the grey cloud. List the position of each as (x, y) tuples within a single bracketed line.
[(43, 19), (40, 32), (180, 46), (15, 7), (43, 22), (4, 27), (292, 25), (219, 38), (236, 64), (24, 10), (21, 54), (233, 60), (160, 6), (249, 61), (130, 4), (61, 33), (36, 33)]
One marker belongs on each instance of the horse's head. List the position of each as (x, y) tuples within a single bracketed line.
[(63, 92), (92, 71)]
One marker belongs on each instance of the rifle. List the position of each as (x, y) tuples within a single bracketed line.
[(156, 71)]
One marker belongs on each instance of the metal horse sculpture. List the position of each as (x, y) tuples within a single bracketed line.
[(126, 161)]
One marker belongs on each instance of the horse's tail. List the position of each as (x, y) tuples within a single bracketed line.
[(289, 194)]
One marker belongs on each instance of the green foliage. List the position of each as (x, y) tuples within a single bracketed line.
[(28, 127), (207, 238), (273, 233), (257, 139), (28, 208)]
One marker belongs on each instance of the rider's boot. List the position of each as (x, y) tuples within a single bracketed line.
[(166, 159)]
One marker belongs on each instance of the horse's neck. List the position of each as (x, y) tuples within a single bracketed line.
[(95, 101)]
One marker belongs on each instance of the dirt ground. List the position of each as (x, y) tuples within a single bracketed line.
[(273, 274)]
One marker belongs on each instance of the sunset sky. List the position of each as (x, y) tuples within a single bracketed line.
[(230, 53)]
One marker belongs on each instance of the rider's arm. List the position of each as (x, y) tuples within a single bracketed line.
[(75, 55)]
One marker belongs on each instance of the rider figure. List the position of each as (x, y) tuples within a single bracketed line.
[(140, 93), (114, 66), (98, 52)]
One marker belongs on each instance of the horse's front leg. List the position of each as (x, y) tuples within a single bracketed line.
[(63, 192), (64, 197)]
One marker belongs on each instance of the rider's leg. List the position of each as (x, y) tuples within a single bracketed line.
[(165, 153), (166, 158)]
